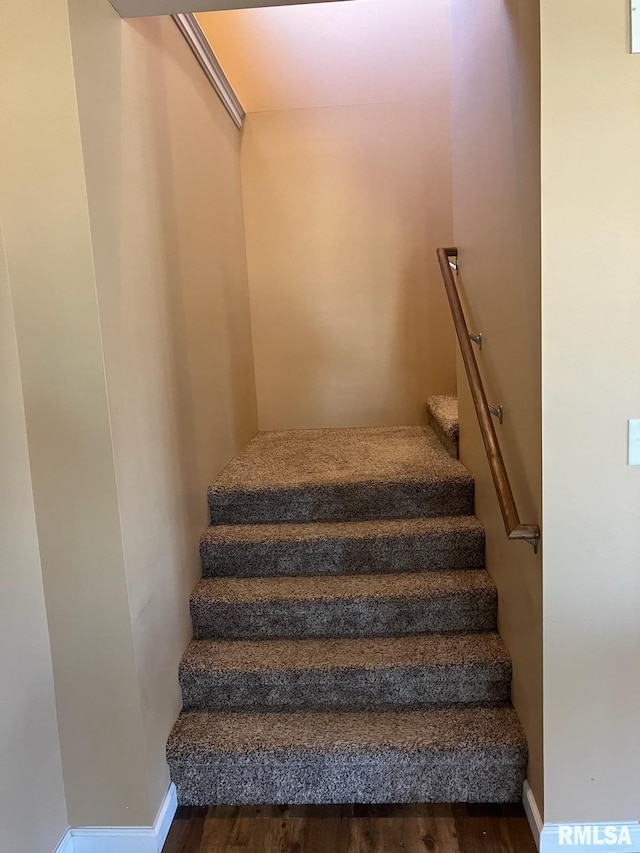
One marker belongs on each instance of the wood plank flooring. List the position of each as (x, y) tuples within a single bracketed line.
[(351, 829)]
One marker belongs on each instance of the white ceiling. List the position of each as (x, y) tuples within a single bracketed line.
[(144, 8), (326, 54)]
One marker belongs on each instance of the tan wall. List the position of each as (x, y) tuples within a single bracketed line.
[(303, 56), (131, 315), (347, 189), (163, 174), (344, 207), (43, 207), (591, 353), (496, 165), (33, 813)]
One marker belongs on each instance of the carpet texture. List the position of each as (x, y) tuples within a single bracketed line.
[(334, 475), (345, 673), (345, 547), (347, 606), (345, 646), (469, 754), (442, 412)]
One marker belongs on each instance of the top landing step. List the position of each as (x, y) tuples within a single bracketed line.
[(341, 475)]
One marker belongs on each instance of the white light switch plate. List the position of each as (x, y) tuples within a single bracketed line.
[(635, 26), (634, 442)]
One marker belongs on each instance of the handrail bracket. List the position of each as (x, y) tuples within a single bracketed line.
[(497, 412)]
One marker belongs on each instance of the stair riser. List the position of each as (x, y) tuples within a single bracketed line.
[(356, 617), (449, 443), (334, 556), (442, 412), (479, 775), (342, 502), (483, 683)]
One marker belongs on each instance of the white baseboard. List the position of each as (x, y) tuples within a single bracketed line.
[(165, 816), (124, 839), (585, 837), (533, 813)]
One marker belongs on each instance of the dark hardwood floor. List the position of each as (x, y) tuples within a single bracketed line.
[(351, 829)]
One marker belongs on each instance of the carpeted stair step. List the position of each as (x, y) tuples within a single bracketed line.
[(344, 606), (345, 646), (450, 754), (343, 547), (341, 474), (442, 412), (291, 675)]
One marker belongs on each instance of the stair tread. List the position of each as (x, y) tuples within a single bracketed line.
[(435, 650), (291, 531), (310, 587), (198, 734), (341, 474), (275, 460)]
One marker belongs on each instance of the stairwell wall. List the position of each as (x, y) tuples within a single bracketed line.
[(496, 204), (43, 207), (346, 164), (591, 353), (343, 206), (120, 200), (33, 813), (162, 164)]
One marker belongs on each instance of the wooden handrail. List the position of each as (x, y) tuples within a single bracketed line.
[(515, 530)]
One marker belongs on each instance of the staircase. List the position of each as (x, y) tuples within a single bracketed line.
[(345, 646)]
